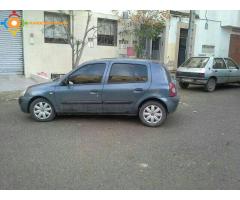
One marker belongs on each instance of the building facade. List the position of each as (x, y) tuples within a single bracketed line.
[(215, 33), (40, 48)]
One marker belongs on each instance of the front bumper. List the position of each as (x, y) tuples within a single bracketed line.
[(23, 103), (192, 80)]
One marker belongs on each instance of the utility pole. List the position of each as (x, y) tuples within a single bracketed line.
[(72, 24), (189, 45)]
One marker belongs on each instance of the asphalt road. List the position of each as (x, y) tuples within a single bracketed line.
[(197, 148)]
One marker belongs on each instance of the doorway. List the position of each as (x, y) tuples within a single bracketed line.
[(156, 49), (182, 45)]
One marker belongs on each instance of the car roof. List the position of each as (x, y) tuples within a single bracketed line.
[(202, 56), (130, 60)]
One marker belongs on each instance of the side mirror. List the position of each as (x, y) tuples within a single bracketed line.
[(70, 83), (66, 82)]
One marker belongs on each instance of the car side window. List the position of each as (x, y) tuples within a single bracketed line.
[(128, 73), (219, 63), (231, 64), (88, 74)]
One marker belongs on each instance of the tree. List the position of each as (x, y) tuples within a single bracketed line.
[(146, 25), (76, 42)]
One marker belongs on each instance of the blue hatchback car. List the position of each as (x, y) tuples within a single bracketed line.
[(106, 86)]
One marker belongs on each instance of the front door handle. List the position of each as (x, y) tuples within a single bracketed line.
[(138, 90), (216, 70), (94, 92)]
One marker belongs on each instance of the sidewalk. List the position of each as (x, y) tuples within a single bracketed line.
[(15, 82)]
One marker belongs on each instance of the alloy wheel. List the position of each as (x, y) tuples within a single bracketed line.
[(152, 114), (42, 110)]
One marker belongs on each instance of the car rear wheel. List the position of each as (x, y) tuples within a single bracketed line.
[(183, 85), (42, 110), (211, 85), (152, 113)]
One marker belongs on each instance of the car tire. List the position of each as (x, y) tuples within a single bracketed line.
[(152, 114), (183, 85), (211, 85), (42, 110)]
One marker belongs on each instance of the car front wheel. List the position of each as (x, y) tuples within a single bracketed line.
[(42, 110), (152, 113)]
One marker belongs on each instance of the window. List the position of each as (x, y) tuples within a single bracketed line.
[(196, 62), (54, 32), (208, 49), (127, 73), (91, 73), (107, 32), (218, 63), (231, 64), (123, 44)]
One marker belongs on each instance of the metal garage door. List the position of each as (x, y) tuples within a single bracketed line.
[(234, 48), (11, 48)]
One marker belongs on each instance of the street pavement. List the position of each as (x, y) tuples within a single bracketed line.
[(198, 147), (15, 82)]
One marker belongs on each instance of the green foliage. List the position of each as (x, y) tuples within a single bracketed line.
[(147, 24)]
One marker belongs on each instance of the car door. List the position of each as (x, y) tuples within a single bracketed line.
[(220, 70), (234, 72), (83, 91), (125, 84)]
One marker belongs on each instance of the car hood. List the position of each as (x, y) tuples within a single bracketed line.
[(43, 85)]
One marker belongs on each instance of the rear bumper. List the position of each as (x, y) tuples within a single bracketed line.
[(23, 103), (192, 80), (171, 103)]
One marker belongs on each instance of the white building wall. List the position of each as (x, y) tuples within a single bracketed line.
[(214, 35), (172, 40), (95, 52), (57, 58), (220, 24), (40, 56)]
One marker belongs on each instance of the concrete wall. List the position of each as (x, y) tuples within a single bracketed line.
[(57, 58)]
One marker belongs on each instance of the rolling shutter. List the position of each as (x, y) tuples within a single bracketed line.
[(11, 48)]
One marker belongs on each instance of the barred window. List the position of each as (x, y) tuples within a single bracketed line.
[(56, 32), (107, 32)]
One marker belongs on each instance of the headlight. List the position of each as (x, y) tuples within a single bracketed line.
[(23, 92)]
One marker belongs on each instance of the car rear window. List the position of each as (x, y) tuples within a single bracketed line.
[(196, 62), (128, 73)]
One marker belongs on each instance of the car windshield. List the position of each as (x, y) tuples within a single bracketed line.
[(196, 62)]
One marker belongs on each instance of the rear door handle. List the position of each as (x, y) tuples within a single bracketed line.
[(138, 90)]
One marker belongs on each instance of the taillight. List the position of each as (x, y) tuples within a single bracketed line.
[(172, 90)]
